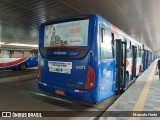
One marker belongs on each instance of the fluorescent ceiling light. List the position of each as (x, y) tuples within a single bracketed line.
[(17, 44), (2, 43)]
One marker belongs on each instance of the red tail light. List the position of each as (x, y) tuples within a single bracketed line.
[(39, 72), (90, 83)]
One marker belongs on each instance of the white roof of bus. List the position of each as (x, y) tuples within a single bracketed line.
[(133, 41)]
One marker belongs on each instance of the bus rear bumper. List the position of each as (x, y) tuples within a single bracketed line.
[(85, 95)]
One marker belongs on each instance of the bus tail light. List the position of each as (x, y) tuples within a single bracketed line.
[(90, 83), (39, 72)]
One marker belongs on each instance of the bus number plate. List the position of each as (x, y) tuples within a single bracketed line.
[(60, 92), (60, 67)]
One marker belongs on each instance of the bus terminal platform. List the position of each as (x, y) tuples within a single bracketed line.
[(142, 99)]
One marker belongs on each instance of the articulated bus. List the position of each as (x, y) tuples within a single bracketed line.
[(87, 58), (18, 59)]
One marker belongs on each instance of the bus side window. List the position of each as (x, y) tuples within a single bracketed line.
[(106, 47), (5, 54), (139, 52), (129, 50), (129, 55), (35, 53), (10, 53)]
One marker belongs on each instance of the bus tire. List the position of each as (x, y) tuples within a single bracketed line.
[(22, 66)]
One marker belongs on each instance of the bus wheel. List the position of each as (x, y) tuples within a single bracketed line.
[(22, 66)]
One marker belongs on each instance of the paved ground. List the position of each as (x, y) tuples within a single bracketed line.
[(23, 95)]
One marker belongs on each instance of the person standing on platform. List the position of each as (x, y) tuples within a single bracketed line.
[(158, 67)]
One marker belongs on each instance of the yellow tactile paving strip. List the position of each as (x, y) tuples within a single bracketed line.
[(139, 106)]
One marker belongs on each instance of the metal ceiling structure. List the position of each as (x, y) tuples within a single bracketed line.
[(20, 19)]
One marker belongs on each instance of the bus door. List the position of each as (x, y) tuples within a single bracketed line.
[(146, 59), (107, 64), (143, 59), (134, 61), (149, 58), (121, 50)]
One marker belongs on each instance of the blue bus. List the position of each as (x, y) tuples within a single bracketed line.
[(154, 56), (86, 58), (148, 57), (18, 59)]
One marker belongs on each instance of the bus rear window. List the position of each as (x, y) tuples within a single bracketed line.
[(74, 33)]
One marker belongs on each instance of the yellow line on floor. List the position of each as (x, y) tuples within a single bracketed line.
[(139, 106)]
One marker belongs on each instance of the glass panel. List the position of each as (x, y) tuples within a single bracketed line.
[(4, 54), (17, 54), (139, 53), (106, 48), (27, 54), (129, 53), (73, 33)]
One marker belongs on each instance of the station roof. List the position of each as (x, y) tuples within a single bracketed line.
[(20, 19)]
